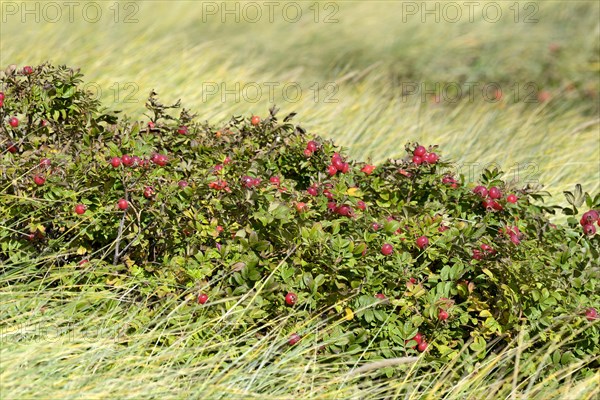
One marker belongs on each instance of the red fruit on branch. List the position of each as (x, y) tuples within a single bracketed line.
[(291, 298), (368, 169), (494, 193), (332, 170), (431, 158), (127, 160), (387, 249), (202, 298), (115, 162), (591, 314), (312, 146), (589, 229), (294, 338), (39, 180), (123, 204), (481, 191), (511, 198), (419, 151), (11, 148), (422, 242)]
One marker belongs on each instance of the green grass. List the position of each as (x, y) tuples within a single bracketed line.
[(367, 55)]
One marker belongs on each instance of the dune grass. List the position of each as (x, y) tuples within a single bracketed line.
[(73, 344), (346, 78), (68, 342)]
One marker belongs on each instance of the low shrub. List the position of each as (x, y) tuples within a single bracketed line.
[(255, 219)]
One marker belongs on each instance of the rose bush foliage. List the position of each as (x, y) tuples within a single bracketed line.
[(248, 211)]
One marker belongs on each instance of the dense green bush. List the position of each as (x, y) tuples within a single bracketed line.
[(251, 210)]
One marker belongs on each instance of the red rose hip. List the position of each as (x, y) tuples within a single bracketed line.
[(422, 242), (291, 298), (387, 249), (39, 180), (123, 204), (202, 298), (495, 193), (591, 314), (294, 338), (115, 162), (312, 146), (419, 151)]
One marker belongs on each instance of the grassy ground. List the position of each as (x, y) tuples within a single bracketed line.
[(73, 345), (351, 71)]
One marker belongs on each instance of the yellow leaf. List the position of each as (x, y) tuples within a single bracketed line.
[(485, 313), (354, 192), (488, 272), (349, 314), (81, 250)]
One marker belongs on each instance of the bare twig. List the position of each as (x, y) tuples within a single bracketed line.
[(118, 241)]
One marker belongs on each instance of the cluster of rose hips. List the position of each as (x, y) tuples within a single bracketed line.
[(337, 165), (387, 249), (344, 210), (250, 182), (421, 342), (219, 184), (450, 181), (587, 222), (135, 161), (311, 147), (486, 250), (421, 155), (490, 196), (368, 169), (1, 99), (39, 180), (513, 233)]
